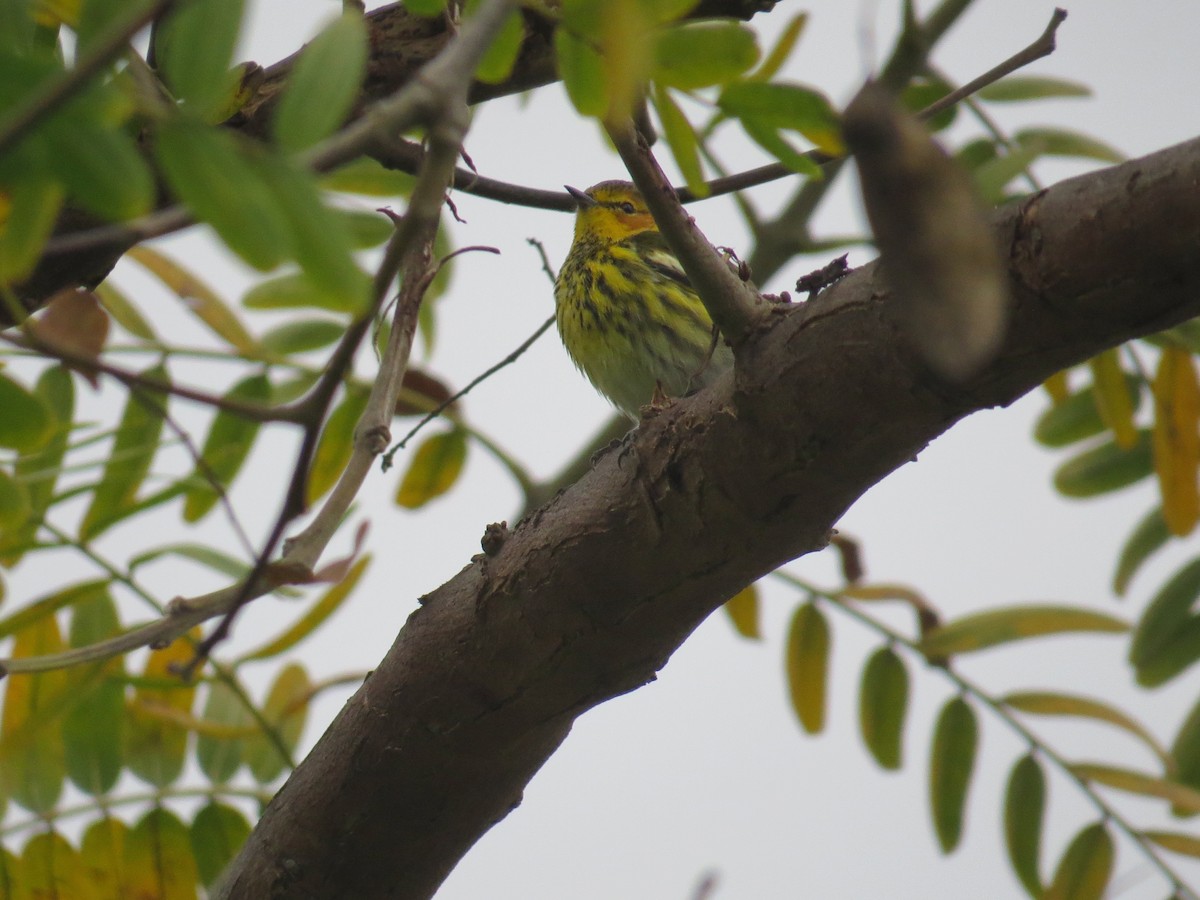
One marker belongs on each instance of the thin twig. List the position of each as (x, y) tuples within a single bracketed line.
[(144, 397), (1043, 46), (474, 382), (87, 363)]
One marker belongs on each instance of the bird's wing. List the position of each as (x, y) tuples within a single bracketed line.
[(653, 249)]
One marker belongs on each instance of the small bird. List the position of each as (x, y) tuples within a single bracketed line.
[(626, 312)]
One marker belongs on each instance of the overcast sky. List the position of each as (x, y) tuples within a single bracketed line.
[(706, 770)]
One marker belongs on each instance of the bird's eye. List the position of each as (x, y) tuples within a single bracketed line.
[(628, 208)]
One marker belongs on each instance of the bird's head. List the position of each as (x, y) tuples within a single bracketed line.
[(610, 211)]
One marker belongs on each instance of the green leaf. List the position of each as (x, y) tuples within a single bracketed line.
[(808, 666), (582, 73), (26, 424), (1150, 535), (98, 162), (790, 106), (220, 757), (367, 229), (133, 450), (226, 447), (1024, 812), (103, 855), (158, 858), (296, 290), (199, 299), (882, 706), (33, 209), (14, 503), (320, 238), (335, 444), (974, 154), (1078, 416), (1060, 142), (497, 63), (1104, 469), (217, 834), (302, 335), (993, 177), (659, 12), (681, 138), (774, 143), (1185, 749), (1166, 614), (1085, 868), (1019, 88), (51, 868), (323, 85), (93, 730), (157, 746), (209, 169), (1180, 652), (425, 7), (124, 312), (31, 747), (955, 740), (981, 630), (46, 606), (326, 606), (196, 45), (99, 15), (1181, 796), (368, 177), (925, 91), (286, 710), (1045, 703), (10, 866), (699, 54), (742, 609), (434, 468), (783, 48)]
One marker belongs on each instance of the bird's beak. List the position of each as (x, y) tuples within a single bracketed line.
[(582, 200)]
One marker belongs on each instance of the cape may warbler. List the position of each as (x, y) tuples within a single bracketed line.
[(626, 312)]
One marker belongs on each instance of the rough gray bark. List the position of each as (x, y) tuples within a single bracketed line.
[(588, 597)]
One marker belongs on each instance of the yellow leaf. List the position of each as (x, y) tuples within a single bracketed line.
[(1181, 796), (435, 467), (742, 609), (32, 753), (808, 666), (157, 746), (1177, 439), (997, 626), (1111, 394), (159, 858), (51, 868), (1187, 844), (1058, 386), (1085, 867)]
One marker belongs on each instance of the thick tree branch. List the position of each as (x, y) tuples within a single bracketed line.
[(589, 596)]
